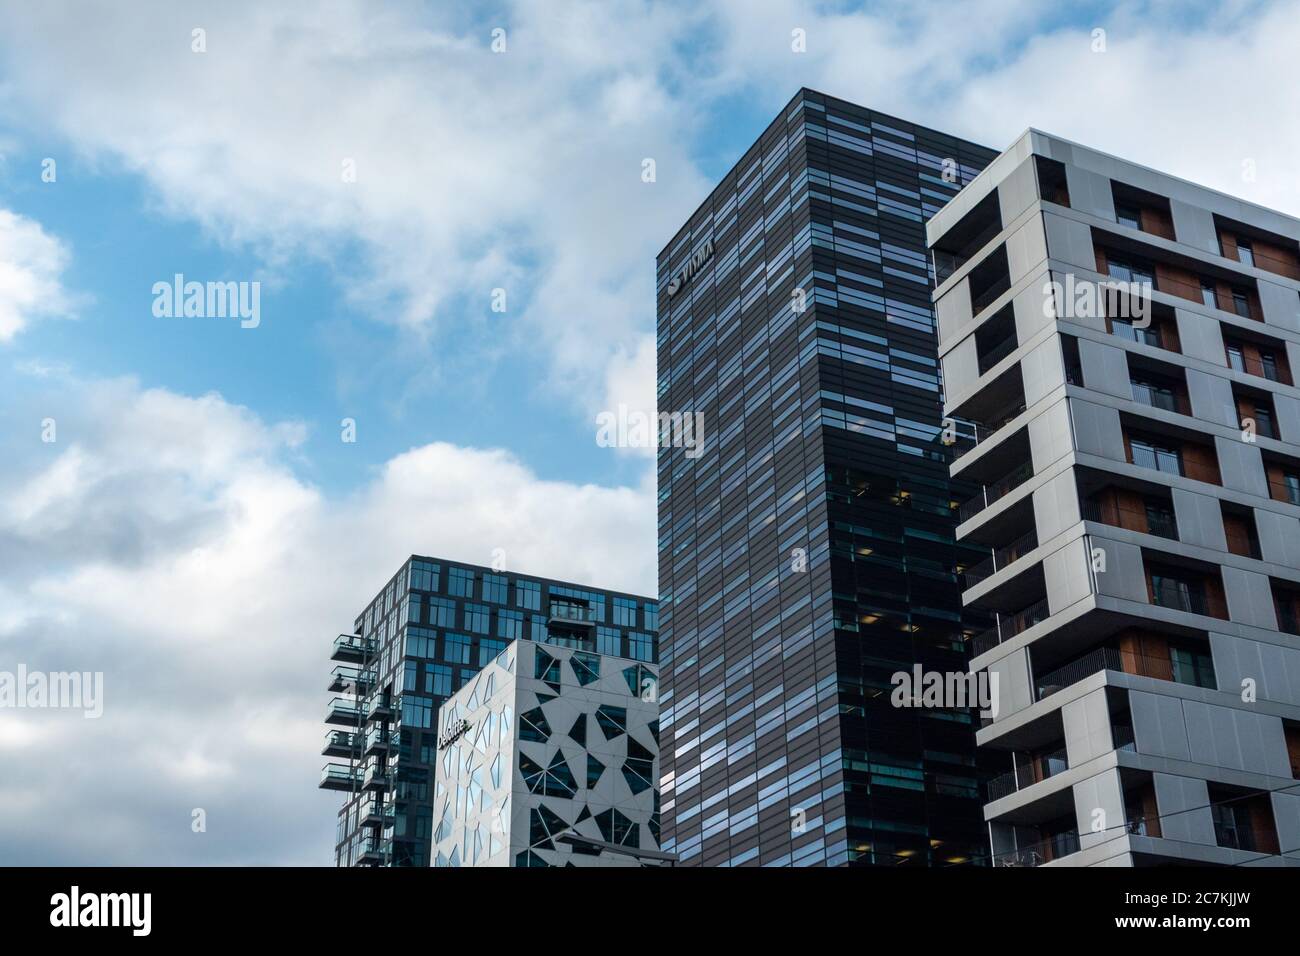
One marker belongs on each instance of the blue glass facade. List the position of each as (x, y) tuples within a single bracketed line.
[(807, 554)]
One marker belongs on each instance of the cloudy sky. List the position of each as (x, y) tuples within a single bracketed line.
[(198, 531)]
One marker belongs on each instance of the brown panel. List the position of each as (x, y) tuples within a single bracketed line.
[(1238, 534), (1293, 748), (1199, 463)]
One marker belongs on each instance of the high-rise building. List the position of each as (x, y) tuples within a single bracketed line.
[(806, 549), (549, 756), (1123, 344), (431, 629)]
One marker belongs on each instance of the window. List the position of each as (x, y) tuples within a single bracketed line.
[(424, 576), (1245, 252), (1127, 215), (1264, 424), (1208, 294), (510, 624), (1125, 329), (437, 679), (417, 711), (1240, 304), (456, 647), (495, 588), (460, 582), (1160, 520), (609, 641), (478, 619), (624, 612), (1155, 394), (442, 612), (1192, 666), (1236, 360), (651, 616), (410, 676), (1130, 271), (488, 649), (420, 642), (1291, 485), (640, 646), (528, 594)]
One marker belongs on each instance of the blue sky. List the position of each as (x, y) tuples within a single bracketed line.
[(198, 531)]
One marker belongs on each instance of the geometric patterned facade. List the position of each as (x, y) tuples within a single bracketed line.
[(546, 740)]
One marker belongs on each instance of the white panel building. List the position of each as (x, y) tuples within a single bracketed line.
[(549, 742)]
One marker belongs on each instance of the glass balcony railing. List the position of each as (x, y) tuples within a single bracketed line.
[(337, 776), (340, 743), (352, 647), (342, 710)]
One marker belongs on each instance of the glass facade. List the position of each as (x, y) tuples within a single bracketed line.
[(807, 554), (431, 628)]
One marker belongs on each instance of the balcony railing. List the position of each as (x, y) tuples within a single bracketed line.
[(999, 559), (1101, 659), (1122, 738), (1161, 524), (996, 490), (1044, 851), (337, 776), (340, 743), (1169, 401), (1115, 659), (342, 710), (1034, 770), (983, 431), (1009, 626)]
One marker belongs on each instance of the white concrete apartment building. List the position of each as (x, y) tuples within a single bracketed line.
[(1139, 501)]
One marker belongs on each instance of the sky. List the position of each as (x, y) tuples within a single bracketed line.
[(179, 508)]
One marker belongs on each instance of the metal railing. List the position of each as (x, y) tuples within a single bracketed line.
[(1035, 769), (983, 431), (1121, 736), (995, 490), (1009, 626), (1155, 397), (999, 559), (1044, 851), (1163, 525)]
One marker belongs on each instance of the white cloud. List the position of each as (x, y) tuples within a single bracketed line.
[(31, 265), (171, 546)]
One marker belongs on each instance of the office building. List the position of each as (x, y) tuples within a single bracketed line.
[(806, 548), (1122, 344), (549, 756), (429, 630)]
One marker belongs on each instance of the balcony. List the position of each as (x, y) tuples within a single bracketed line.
[(1009, 626), (1045, 851), (379, 707), (343, 710), (1180, 667), (1034, 770), (379, 741), (340, 743), (996, 490), (337, 776), (1163, 398), (350, 679), (1159, 521), (999, 559), (375, 779), (352, 649)]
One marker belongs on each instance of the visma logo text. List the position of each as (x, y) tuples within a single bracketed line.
[(102, 909)]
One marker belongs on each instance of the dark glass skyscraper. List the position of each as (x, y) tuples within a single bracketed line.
[(807, 554), (431, 628)]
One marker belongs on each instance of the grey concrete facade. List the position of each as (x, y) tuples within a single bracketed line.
[(1117, 349)]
